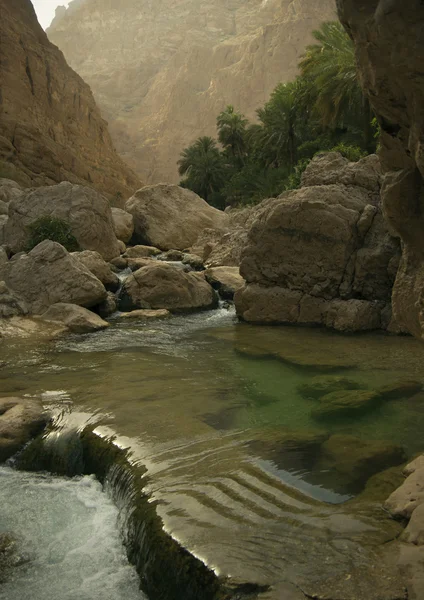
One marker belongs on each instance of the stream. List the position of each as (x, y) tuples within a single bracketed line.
[(233, 459)]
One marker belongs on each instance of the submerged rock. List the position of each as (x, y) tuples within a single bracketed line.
[(345, 403), (227, 280), (400, 389), (320, 385), (87, 212), (48, 275), (20, 420), (76, 318), (171, 217), (162, 286)]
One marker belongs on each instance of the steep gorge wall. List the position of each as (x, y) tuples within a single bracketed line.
[(162, 70), (50, 127), (389, 41)]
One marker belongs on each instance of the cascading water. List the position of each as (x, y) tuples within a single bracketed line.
[(66, 533)]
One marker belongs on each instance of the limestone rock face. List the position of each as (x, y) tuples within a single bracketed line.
[(76, 318), (162, 71), (20, 420), (87, 212), (163, 286), (321, 254), (50, 127), (389, 49), (170, 217), (47, 275)]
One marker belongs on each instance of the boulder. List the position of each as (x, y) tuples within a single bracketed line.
[(193, 261), (414, 532), (10, 304), (171, 217), (87, 212), (76, 318), (321, 254), (99, 267), (227, 280), (48, 275), (123, 224), (3, 221), (119, 263), (9, 190), (141, 251), (172, 256), (399, 390), (403, 501), (4, 208), (122, 247), (137, 263), (320, 385), (163, 286), (20, 420), (345, 403), (147, 315), (108, 306)]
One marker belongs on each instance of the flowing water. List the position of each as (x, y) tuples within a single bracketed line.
[(212, 409)]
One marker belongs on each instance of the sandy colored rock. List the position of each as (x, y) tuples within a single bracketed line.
[(3, 221), (163, 286), (194, 261), (227, 280), (76, 318), (389, 46), (20, 420), (50, 127), (147, 314), (137, 263), (9, 190), (123, 224), (48, 275), (405, 499), (87, 212), (170, 217), (414, 532), (141, 251), (99, 267), (108, 306), (179, 64), (119, 263), (10, 304), (417, 463), (172, 255)]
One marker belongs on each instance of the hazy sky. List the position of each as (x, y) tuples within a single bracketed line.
[(45, 10)]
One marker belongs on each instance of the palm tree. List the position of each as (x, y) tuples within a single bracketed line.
[(329, 67), (203, 166), (232, 133)]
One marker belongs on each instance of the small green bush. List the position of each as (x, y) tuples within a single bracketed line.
[(56, 230), (352, 153)]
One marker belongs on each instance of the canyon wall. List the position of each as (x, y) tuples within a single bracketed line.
[(389, 41), (50, 127), (162, 70)]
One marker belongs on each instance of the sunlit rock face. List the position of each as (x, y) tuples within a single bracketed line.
[(389, 43), (162, 70), (50, 127)]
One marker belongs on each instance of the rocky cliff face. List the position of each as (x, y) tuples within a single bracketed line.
[(50, 127), (162, 70), (389, 40)]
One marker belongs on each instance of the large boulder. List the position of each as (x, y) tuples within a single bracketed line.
[(9, 190), (76, 318), (389, 48), (321, 254), (171, 217), (49, 274), (123, 224), (20, 420), (163, 286), (87, 212), (99, 267), (227, 280)]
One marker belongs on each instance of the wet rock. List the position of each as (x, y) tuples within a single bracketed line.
[(408, 497), (141, 251), (227, 280), (48, 275), (123, 224), (99, 267), (321, 385), (147, 314), (119, 263), (108, 306), (172, 255), (162, 286), (170, 217), (356, 460), (10, 556), (10, 304), (76, 318), (87, 212), (345, 403), (399, 390), (137, 263), (193, 261), (20, 420)]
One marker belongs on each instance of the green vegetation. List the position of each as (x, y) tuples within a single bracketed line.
[(50, 228), (323, 110)]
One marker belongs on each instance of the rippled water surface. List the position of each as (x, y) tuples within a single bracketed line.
[(207, 405)]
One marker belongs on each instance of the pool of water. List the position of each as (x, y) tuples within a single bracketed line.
[(236, 462), (67, 537)]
